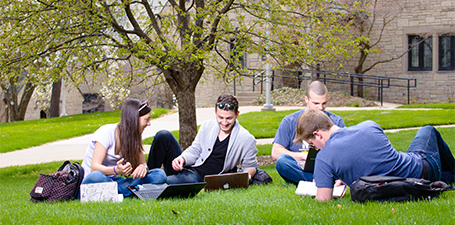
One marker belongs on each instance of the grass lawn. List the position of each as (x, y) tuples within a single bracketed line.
[(430, 106), (43, 131), (25, 134), (387, 119), (275, 203)]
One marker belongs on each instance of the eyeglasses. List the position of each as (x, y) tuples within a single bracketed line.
[(226, 106), (143, 105)]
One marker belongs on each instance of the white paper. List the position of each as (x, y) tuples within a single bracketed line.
[(106, 191), (309, 188)]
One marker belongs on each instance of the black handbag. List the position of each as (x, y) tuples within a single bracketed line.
[(395, 189), (59, 186), (261, 177)]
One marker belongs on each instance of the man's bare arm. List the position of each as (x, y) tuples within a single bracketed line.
[(324, 194), (251, 171), (278, 149)]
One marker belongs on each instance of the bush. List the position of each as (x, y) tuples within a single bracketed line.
[(287, 96)]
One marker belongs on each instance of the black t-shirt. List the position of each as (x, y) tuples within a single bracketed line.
[(215, 162)]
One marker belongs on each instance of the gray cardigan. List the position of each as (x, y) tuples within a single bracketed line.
[(241, 148)]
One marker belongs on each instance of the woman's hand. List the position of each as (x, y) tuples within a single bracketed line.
[(123, 169), (140, 171)]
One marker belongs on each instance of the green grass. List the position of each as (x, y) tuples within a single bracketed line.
[(401, 140), (148, 141), (42, 131), (25, 134), (387, 119), (275, 203), (430, 106), (264, 149)]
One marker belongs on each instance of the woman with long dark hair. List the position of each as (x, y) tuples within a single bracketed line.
[(116, 150)]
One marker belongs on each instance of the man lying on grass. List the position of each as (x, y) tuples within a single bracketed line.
[(365, 150)]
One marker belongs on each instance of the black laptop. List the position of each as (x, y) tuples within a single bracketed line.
[(308, 164), (155, 191)]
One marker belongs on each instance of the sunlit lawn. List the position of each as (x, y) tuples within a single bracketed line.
[(275, 203)]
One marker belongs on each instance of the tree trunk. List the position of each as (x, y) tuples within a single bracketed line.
[(358, 70), (55, 99), (183, 84), (182, 80), (187, 117), (18, 108), (360, 89)]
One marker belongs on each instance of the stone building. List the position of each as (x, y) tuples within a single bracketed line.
[(431, 26), (427, 25)]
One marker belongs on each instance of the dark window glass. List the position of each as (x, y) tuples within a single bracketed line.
[(92, 103), (237, 54), (446, 52), (421, 54)]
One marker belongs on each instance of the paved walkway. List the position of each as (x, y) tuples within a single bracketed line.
[(74, 148)]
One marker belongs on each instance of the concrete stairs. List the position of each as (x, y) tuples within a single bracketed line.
[(246, 98)]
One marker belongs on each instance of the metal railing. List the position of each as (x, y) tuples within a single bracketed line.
[(352, 79)]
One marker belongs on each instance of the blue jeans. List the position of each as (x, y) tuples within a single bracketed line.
[(154, 176), (163, 150), (290, 171), (429, 144)]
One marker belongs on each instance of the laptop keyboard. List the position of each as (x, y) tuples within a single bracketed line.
[(149, 194), (150, 191)]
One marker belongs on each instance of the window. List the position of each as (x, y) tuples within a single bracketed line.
[(92, 103), (446, 52), (421, 54), (237, 54)]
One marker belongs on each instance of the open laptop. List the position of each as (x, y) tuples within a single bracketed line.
[(155, 191), (308, 164), (226, 181)]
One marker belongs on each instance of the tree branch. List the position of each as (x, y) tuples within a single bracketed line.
[(137, 29), (155, 25)]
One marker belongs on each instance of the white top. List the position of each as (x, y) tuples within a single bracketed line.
[(105, 135)]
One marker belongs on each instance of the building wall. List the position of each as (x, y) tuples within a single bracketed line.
[(419, 17), (210, 86)]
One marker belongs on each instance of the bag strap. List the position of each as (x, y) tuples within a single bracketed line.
[(442, 185), (381, 179), (64, 166), (80, 172)]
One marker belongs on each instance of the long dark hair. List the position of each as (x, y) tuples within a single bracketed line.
[(129, 144)]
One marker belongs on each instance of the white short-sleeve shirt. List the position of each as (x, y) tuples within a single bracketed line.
[(105, 135)]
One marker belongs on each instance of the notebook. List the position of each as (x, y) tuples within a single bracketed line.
[(96, 192), (226, 181), (308, 164), (154, 191), (309, 188)]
